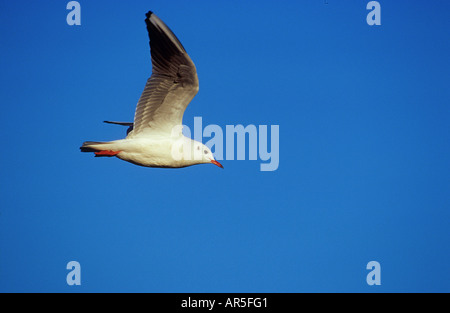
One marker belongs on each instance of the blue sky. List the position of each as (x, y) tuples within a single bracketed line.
[(364, 172)]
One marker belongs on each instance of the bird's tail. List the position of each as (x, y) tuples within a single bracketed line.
[(92, 146), (101, 149)]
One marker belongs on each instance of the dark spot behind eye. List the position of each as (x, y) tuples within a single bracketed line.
[(198, 148)]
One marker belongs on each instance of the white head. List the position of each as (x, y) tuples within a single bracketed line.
[(203, 154), (190, 152)]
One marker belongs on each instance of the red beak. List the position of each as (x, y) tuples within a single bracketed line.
[(216, 163)]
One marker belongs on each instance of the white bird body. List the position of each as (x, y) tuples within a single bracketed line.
[(155, 139), (153, 151)]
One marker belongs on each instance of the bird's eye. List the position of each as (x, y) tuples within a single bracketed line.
[(206, 151)]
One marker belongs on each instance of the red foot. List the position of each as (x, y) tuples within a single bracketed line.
[(107, 153)]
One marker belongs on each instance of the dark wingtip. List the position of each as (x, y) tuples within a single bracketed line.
[(148, 14), (86, 149)]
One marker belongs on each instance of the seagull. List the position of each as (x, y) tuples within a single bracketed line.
[(155, 137)]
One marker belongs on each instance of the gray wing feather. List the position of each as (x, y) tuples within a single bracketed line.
[(172, 85)]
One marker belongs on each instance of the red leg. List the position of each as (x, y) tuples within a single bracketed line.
[(107, 153)]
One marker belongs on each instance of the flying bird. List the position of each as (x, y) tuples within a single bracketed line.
[(155, 137)]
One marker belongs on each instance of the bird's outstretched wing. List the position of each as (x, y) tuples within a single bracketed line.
[(170, 88)]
